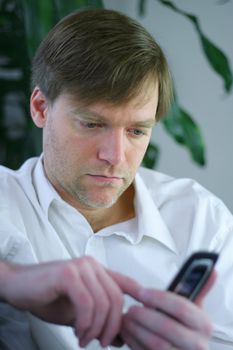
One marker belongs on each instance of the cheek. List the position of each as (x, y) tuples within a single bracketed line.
[(136, 155), (143, 151), (78, 149)]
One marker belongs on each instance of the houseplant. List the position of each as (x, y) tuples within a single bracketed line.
[(23, 24)]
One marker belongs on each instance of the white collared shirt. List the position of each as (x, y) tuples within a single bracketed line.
[(174, 217)]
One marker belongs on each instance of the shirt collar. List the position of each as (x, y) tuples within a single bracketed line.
[(45, 191), (150, 221)]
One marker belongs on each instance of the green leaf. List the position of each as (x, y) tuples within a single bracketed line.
[(142, 7), (186, 132), (23, 24), (216, 58), (151, 157), (38, 17), (41, 16), (218, 61)]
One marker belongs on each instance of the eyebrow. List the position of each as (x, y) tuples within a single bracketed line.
[(88, 114), (148, 123), (98, 118)]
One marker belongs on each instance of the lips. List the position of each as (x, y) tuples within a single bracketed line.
[(105, 178)]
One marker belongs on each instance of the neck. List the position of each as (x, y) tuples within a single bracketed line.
[(121, 211), (100, 218)]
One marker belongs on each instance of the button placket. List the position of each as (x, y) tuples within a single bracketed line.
[(95, 248)]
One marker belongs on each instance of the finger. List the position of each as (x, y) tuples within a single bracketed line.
[(177, 307), (73, 287), (157, 330), (209, 284), (138, 337), (127, 284), (100, 301), (129, 337), (113, 320)]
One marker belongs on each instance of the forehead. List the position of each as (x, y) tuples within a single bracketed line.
[(144, 105)]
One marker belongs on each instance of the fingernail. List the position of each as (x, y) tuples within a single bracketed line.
[(144, 294), (104, 342), (82, 342), (147, 295)]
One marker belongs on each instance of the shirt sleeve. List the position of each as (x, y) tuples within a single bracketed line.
[(15, 246), (219, 302), (15, 331)]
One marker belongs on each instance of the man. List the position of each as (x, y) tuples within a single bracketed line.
[(100, 83)]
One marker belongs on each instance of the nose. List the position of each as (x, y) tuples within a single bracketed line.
[(112, 148)]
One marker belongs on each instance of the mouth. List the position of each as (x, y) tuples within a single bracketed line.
[(105, 178)]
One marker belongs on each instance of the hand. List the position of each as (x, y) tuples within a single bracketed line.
[(79, 292), (167, 321)]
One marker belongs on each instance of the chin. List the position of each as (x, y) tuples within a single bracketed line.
[(98, 203)]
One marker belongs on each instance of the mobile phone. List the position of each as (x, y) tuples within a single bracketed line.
[(194, 274)]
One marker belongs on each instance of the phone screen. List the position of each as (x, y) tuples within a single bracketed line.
[(194, 274)]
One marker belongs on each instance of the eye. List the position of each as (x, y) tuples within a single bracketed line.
[(91, 125), (136, 132)]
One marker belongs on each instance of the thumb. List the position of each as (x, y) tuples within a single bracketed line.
[(209, 284)]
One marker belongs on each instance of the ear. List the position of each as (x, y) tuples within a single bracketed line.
[(38, 107)]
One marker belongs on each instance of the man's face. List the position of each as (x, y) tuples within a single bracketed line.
[(91, 153)]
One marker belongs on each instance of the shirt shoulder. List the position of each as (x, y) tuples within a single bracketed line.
[(13, 180), (167, 188), (14, 201), (183, 202)]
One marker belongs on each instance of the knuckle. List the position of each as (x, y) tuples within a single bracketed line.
[(85, 300), (68, 273)]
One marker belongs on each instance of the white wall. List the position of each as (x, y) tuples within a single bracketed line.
[(199, 89)]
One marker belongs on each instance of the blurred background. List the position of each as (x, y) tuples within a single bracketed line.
[(195, 139)]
